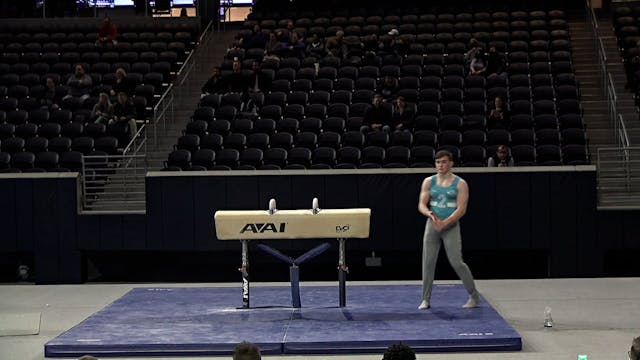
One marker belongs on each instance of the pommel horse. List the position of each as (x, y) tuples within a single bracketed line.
[(246, 225)]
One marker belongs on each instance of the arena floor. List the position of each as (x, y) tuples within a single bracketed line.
[(596, 317)]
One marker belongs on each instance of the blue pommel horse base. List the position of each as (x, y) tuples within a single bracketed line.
[(245, 225)]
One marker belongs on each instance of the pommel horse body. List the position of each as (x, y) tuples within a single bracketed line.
[(246, 225)]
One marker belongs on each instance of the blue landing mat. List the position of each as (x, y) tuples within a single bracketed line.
[(205, 321)]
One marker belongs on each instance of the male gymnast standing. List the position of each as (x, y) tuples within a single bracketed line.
[(443, 199)]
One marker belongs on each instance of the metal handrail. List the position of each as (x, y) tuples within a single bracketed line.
[(206, 32), (131, 145), (622, 132)]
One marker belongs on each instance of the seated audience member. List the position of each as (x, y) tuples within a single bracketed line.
[(79, 84), (256, 39), (403, 115), (248, 107), (236, 81), (399, 352), (388, 88), (478, 64), (474, 48), (122, 83), (257, 81), (377, 117), (215, 84), (634, 352), (498, 115), (296, 46), (290, 28), (124, 113), (370, 44), (389, 44), (501, 158), (273, 46), (246, 351), (50, 97), (102, 110), (335, 45), (496, 63), (315, 47), (107, 32)]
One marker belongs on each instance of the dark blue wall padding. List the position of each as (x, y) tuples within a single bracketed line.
[(39, 216), (551, 211)]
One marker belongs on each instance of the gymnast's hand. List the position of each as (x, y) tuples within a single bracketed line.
[(438, 224)]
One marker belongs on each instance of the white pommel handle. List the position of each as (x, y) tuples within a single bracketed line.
[(314, 206), (272, 206)]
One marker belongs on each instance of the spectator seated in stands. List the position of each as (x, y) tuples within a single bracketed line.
[(335, 46), (501, 158), (235, 80), (498, 115), (246, 351), (215, 84), (248, 108), (122, 84), (390, 45), (102, 110), (399, 352), (256, 81), (371, 44), (388, 88), (474, 48), (296, 46), (274, 45), (315, 47), (256, 39), (496, 63), (377, 117), (107, 32), (79, 84), (478, 64), (403, 115), (123, 124), (50, 98)]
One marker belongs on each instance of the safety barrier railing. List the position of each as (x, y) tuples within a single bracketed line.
[(616, 119), (618, 178), (113, 183)]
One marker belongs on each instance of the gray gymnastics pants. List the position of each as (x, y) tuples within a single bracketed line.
[(453, 246)]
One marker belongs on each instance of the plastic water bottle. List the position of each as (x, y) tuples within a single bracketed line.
[(548, 320)]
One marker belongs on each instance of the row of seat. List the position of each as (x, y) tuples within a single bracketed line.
[(409, 16), (84, 26), (311, 140), (45, 161), (43, 38), (60, 145), (33, 52), (516, 30), (422, 122), (51, 130), (275, 111), (369, 157)]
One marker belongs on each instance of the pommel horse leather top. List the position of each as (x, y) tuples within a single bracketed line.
[(292, 224)]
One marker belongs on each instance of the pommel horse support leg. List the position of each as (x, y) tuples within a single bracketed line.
[(293, 224)]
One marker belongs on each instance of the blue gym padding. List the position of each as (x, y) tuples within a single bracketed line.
[(206, 321)]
